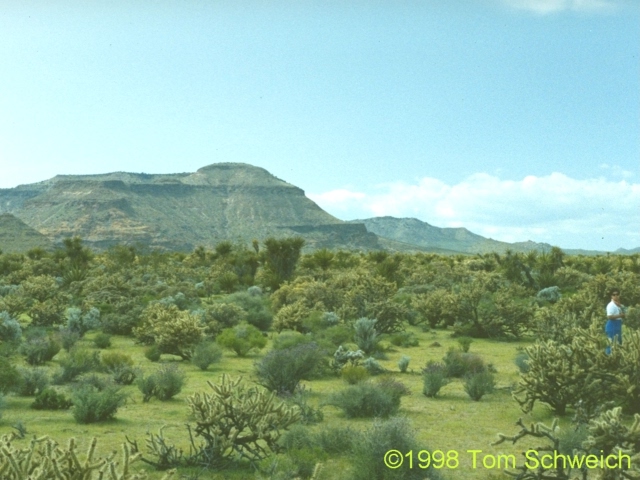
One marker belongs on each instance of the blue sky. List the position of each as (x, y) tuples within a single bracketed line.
[(518, 119)]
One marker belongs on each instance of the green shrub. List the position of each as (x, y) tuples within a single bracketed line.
[(337, 440), (465, 343), (10, 330), (365, 400), (459, 364), (434, 378), (366, 336), (32, 381), (152, 353), (99, 381), (404, 339), (368, 459), (40, 349), (403, 363), (9, 376), (242, 339), (373, 366), (50, 399), (281, 370), (522, 362), (169, 380), (204, 354), (113, 360), (353, 374), (290, 338), (257, 311), (76, 362), (147, 386), (478, 384), (68, 338), (336, 335), (120, 366), (91, 405), (102, 340)]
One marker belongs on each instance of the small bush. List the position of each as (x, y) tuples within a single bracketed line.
[(77, 362), (40, 349), (403, 363), (478, 384), (152, 353), (169, 380), (50, 399), (336, 335), (366, 335), (365, 400), (308, 414), (9, 376), (147, 386), (10, 330), (68, 338), (98, 381), (290, 338), (204, 354), (242, 339), (459, 364), (113, 360), (32, 381), (92, 405), (281, 370), (434, 378), (465, 343), (373, 366), (353, 374), (337, 440), (522, 362), (102, 340), (368, 459), (404, 339)]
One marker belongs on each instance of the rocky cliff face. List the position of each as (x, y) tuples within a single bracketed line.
[(226, 201)]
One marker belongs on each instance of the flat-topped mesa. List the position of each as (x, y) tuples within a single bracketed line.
[(224, 201), (235, 174)]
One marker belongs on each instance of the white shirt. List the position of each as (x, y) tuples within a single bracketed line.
[(613, 309)]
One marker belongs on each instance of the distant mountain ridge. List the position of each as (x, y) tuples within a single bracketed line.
[(414, 232), (223, 201)]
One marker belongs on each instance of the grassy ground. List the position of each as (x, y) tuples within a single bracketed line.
[(451, 422)]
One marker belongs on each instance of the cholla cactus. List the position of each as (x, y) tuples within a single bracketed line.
[(44, 459), (611, 437), (238, 421), (342, 356)]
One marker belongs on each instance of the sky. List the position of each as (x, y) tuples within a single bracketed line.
[(517, 119)]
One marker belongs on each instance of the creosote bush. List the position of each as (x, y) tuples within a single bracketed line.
[(50, 399), (242, 339), (206, 353), (368, 459), (353, 374), (32, 381), (366, 399), (458, 364), (91, 405), (282, 370), (40, 349), (478, 384), (164, 384), (434, 377)]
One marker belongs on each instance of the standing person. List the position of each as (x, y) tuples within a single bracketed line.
[(615, 314)]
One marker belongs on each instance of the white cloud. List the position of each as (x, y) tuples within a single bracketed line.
[(545, 7), (555, 208)]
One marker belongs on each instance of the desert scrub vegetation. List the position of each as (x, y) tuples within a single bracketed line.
[(548, 307)]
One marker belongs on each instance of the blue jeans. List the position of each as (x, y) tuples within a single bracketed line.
[(613, 329)]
